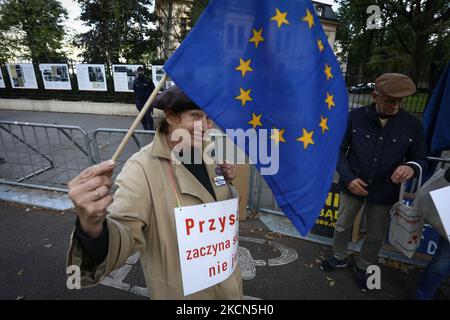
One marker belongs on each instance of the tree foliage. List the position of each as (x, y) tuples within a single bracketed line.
[(413, 39), (32, 28)]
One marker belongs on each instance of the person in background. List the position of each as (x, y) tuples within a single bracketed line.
[(143, 88), (383, 147)]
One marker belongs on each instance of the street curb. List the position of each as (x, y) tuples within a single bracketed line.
[(52, 200)]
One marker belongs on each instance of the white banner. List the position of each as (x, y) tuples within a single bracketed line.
[(22, 75), (124, 76), (441, 199), (91, 77), (208, 243), (55, 76)]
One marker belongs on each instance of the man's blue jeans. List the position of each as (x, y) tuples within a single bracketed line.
[(437, 270)]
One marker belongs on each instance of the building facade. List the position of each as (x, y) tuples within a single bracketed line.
[(174, 20)]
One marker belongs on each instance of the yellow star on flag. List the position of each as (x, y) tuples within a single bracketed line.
[(244, 66), (277, 136), (309, 18), (329, 101), (257, 37), (256, 121), (280, 18), (244, 96), (324, 124), (306, 138), (320, 45), (328, 71)]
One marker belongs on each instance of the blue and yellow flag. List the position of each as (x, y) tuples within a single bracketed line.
[(265, 64), (436, 118)]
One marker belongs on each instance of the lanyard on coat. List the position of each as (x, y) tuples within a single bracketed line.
[(172, 179)]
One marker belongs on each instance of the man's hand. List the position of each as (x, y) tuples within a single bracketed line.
[(402, 174), (358, 187), (89, 191)]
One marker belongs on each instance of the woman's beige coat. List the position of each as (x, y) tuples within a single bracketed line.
[(141, 218)]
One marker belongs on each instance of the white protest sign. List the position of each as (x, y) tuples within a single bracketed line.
[(208, 243), (441, 199)]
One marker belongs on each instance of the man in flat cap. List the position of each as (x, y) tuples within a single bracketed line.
[(383, 147)]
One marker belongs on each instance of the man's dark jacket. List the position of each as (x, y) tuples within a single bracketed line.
[(372, 152), (143, 88)]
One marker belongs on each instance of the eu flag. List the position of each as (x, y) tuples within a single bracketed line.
[(436, 119), (262, 65)]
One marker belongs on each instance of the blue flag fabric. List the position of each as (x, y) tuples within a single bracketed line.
[(264, 64), (436, 119)]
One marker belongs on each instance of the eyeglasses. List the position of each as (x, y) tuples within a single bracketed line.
[(391, 101)]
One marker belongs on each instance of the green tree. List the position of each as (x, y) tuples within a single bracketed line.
[(413, 38), (415, 25), (34, 27), (9, 46), (120, 29), (353, 37)]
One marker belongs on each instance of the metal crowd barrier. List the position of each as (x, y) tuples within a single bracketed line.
[(105, 142), (42, 156), (47, 157), (261, 198)]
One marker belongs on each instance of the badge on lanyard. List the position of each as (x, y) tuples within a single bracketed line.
[(219, 181), (218, 171)]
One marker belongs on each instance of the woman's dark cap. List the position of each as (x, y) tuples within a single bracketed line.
[(175, 99)]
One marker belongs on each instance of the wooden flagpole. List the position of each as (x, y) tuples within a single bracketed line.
[(137, 121)]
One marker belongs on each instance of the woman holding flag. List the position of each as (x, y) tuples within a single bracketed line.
[(140, 215)]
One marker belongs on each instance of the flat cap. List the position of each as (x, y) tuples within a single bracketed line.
[(175, 99), (395, 85)]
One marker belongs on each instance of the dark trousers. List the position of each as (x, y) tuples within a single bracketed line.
[(147, 120)]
